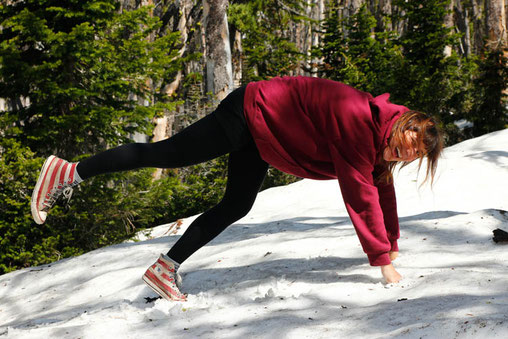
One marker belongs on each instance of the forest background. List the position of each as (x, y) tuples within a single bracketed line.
[(78, 77)]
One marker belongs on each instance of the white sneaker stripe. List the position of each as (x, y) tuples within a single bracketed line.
[(68, 173), (46, 181), (61, 168), (36, 213)]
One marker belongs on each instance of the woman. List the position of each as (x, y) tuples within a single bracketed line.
[(309, 127)]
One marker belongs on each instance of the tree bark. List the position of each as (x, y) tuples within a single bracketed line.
[(462, 22), (384, 8), (495, 20), (237, 58), (319, 14), (354, 5), (478, 25), (219, 73), (449, 22), (160, 132)]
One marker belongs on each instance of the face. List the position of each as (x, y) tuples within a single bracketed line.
[(398, 152)]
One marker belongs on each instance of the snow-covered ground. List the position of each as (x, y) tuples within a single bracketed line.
[(293, 268)]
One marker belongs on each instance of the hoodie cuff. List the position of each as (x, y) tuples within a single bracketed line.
[(379, 259), (395, 246)]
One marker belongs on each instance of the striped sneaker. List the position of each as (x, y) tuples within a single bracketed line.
[(57, 177), (164, 280)]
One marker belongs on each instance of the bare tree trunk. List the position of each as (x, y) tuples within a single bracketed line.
[(495, 20), (174, 17), (506, 16), (237, 58), (478, 24), (298, 35), (319, 14), (305, 37), (462, 22), (449, 22), (162, 130), (383, 8), (219, 73), (181, 26), (354, 5), (348, 8)]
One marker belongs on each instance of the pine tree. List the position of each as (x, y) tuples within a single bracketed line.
[(489, 112), (91, 75), (265, 25), (428, 80), (78, 76), (355, 54)]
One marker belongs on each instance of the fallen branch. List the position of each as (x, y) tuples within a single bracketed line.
[(174, 227)]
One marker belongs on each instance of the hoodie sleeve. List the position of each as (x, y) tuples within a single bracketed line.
[(388, 205), (362, 201)]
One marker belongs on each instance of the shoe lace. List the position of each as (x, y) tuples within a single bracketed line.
[(67, 193), (53, 195)]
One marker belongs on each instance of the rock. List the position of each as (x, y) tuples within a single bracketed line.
[(500, 235)]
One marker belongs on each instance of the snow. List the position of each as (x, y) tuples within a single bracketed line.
[(293, 268)]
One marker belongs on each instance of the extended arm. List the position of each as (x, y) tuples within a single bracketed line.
[(388, 203), (362, 200)]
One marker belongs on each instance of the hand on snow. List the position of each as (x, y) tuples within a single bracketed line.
[(393, 255), (390, 274)]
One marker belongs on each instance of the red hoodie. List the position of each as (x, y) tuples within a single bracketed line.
[(322, 129)]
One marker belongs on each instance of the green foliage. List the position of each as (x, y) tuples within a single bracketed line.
[(110, 208), (356, 55), (426, 37), (92, 75), (412, 67), (426, 70), (489, 112), (22, 244), (430, 80), (103, 210), (267, 43), (268, 49), (79, 76)]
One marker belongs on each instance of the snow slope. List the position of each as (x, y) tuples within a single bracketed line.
[(293, 268)]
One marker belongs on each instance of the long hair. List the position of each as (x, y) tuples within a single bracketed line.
[(428, 134)]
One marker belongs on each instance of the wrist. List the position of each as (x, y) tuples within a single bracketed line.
[(394, 246)]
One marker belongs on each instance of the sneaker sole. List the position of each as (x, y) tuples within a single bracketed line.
[(153, 285), (33, 202)]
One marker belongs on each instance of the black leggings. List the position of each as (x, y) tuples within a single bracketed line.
[(204, 140)]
